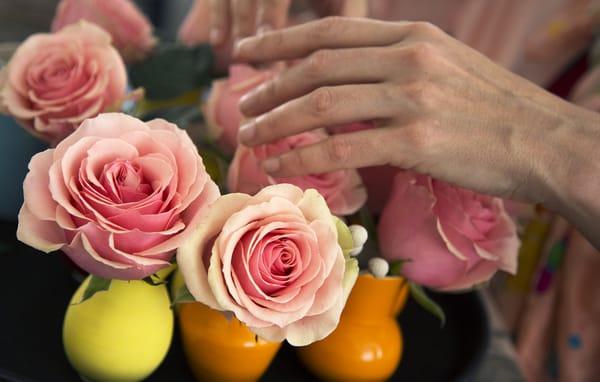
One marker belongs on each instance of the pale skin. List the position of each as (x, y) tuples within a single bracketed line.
[(232, 20), (440, 108)]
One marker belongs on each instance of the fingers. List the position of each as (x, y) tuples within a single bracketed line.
[(324, 107), (350, 8), (322, 68), (344, 151), (331, 32), (244, 18), (272, 14), (219, 21)]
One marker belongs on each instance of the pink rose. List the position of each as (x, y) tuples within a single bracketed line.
[(272, 259), (55, 81), (118, 196), (452, 238), (343, 190), (222, 112), (131, 31)]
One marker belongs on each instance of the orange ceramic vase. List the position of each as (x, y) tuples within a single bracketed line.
[(367, 344), (218, 349)]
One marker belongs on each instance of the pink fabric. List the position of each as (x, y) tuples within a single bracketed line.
[(118, 196), (451, 238), (578, 334), (343, 190), (272, 259), (506, 31), (130, 30)]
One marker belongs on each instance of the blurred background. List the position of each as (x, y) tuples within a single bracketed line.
[(20, 18)]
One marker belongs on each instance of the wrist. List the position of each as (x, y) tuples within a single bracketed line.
[(570, 166)]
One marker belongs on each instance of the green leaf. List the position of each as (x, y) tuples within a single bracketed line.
[(396, 267), (154, 280), (172, 70), (367, 221), (418, 293), (182, 295), (96, 284)]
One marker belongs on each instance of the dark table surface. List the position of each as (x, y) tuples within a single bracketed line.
[(36, 289)]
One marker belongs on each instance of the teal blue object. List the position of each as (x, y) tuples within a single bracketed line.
[(17, 147)]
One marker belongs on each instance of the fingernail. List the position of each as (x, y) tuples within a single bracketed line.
[(264, 29), (247, 132), (215, 36), (271, 165)]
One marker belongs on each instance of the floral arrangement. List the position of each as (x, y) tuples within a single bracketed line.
[(126, 197)]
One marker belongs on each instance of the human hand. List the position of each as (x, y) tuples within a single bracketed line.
[(234, 19), (440, 108)]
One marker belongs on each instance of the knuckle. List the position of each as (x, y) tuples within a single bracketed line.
[(327, 26), (295, 161), (321, 101), (270, 91), (423, 94), (317, 62), (420, 135), (425, 28), (263, 126), (422, 53), (339, 149)]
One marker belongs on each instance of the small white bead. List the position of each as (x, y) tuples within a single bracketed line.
[(379, 267), (359, 235), (356, 251)]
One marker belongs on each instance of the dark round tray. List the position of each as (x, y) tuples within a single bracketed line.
[(37, 288)]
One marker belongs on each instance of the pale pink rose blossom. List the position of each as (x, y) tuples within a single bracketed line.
[(55, 81), (274, 261), (451, 238), (118, 196), (222, 113), (131, 31), (343, 190)]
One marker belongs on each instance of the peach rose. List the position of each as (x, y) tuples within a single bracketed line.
[(343, 190), (222, 112), (452, 238), (131, 31), (118, 196), (272, 259), (55, 81)]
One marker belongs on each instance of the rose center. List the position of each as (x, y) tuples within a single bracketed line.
[(284, 263), (124, 182)]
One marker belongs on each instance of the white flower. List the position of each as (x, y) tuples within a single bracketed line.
[(359, 237), (379, 267)]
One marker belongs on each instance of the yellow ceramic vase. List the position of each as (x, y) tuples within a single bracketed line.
[(218, 349), (120, 335), (367, 344)]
